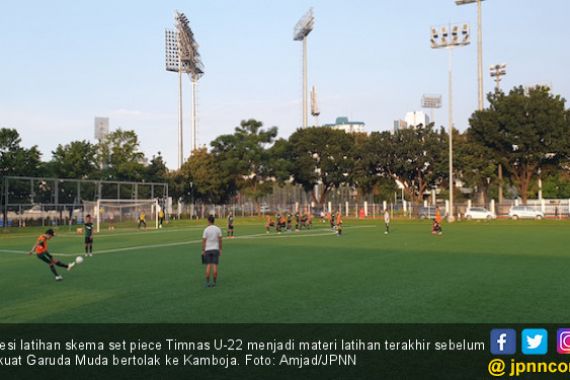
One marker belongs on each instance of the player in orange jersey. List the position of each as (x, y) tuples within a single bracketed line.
[(42, 253)]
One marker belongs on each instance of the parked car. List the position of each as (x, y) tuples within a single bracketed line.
[(527, 212), (479, 213)]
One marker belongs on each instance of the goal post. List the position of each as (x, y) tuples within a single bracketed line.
[(121, 213)]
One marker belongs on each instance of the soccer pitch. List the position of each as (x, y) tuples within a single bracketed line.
[(499, 271)]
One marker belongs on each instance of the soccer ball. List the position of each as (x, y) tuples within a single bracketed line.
[(78, 260)]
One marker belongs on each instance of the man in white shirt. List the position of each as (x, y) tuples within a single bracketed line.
[(387, 221), (211, 249)]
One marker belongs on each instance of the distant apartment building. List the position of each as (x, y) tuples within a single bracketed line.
[(415, 118), (400, 124), (412, 120), (342, 123)]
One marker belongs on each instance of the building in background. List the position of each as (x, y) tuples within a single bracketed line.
[(342, 123), (101, 128), (400, 124), (415, 118)]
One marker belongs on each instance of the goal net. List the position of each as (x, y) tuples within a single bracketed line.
[(122, 213)]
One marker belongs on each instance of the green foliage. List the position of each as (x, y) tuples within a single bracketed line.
[(204, 178), (526, 130), (15, 159), (416, 157), (77, 159), (280, 164), (475, 164), (556, 186), (384, 190), (365, 175), (245, 157), (121, 157), (156, 171), (321, 156)]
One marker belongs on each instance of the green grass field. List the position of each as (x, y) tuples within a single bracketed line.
[(501, 271)]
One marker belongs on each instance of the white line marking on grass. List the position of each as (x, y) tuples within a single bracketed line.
[(132, 231), (116, 233), (11, 251), (189, 242)]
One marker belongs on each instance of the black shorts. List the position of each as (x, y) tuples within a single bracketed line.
[(45, 257), (230, 226), (212, 257), (89, 240)]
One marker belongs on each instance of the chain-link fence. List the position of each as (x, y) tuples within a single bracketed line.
[(361, 210), (40, 201)]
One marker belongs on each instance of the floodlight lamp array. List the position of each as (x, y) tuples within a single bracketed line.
[(186, 46), (431, 101), (463, 2), (304, 26), (450, 36), (498, 70)]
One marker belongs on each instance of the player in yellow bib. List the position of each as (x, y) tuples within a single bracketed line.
[(142, 221)]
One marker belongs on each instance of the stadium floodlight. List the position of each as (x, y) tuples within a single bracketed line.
[(431, 102), (315, 105), (441, 38), (182, 57), (175, 64), (302, 29), (497, 72), (480, 93)]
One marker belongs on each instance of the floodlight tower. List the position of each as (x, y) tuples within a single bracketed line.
[(498, 71), (302, 29), (182, 57), (480, 95), (431, 102), (315, 105), (441, 39), (191, 57)]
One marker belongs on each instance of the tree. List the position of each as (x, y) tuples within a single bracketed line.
[(16, 160), (244, 155), (280, 165), (526, 129), (415, 157), (321, 156), (203, 178), (156, 171), (556, 185), (474, 163), (364, 174), (121, 157), (77, 159)]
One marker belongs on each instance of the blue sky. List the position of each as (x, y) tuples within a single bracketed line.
[(65, 62)]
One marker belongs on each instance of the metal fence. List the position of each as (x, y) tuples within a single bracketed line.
[(551, 208), (30, 201), (23, 215), (43, 201)]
